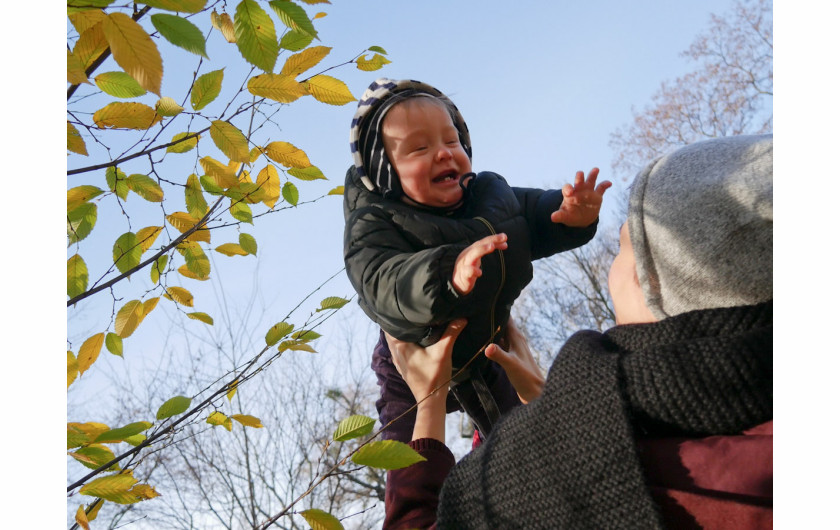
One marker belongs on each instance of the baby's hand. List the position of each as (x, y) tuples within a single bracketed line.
[(581, 203), (468, 265)]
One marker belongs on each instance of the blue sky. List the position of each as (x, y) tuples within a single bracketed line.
[(541, 84)]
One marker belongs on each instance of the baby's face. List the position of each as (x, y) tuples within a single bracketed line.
[(423, 146)]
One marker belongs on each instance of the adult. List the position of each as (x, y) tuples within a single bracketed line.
[(665, 420)]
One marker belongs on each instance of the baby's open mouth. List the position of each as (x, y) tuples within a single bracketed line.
[(445, 177)]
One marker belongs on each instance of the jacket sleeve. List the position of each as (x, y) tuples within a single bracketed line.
[(406, 290), (411, 493), (549, 238)]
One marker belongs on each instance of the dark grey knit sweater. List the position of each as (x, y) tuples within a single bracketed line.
[(569, 459)]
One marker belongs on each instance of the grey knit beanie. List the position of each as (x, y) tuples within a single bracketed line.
[(701, 225), (366, 145)]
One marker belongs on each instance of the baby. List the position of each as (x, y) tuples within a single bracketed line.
[(427, 241)]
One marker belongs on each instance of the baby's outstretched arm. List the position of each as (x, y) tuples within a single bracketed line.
[(468, 264), (581, 202)]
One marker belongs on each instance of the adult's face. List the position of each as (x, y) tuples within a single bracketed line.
[(625, 290)]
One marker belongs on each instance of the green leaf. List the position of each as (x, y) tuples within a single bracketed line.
[(168, 107), (197, 261), (74, 6), (158, 268), (332, 302), (135, 440), (277, 332), (377, 49), (307, 173), (353, 427), (145, 186), (248, 243), (241, 212), (180, 32), (184, 146), (202, 317), (196, 204), (114, 488), (114, 344), (128, 318), (305, 334), (210, 186), (119, 85), (115, 178), (181, 6), (230, 141), (127, 252), (80, 222), (294, 17), (290, 193), (206, 89), (77, 276), (255, 35), (295, 40), (173, 407), (386, 454), (94, 456), (121, 433), (321, 520)]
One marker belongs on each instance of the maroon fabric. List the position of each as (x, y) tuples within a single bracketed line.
[(411, 493), (713, 482), (717, 482)]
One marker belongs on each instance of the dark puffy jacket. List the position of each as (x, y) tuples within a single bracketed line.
[(400, 258)]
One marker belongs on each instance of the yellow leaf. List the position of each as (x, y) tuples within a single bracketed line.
[(216, 418), (89, 352), (232, 391), (202, 235), (75, 70), (182, 221), (282, 88), (168, 107), (247, 420), (321, 520), (338, 190), (145, 186), (185, 271), (128, 318), (149, 305), (269, 181), (86, 19), (287, 154), (222, 175), (303, 61), (124, 115), (91, 45), (182, 146), (201, 317), (81, 518), (81, 433), (94, 511), (374, 63), (144, 492), (180, 295), (81, 194), (231, 249), (147, 236), (230, 141), (75, 142), (224, 24), (318, 15), (72, 368), (134, 50), (329, 90)]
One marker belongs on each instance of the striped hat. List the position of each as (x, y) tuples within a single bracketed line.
[(366, 143)]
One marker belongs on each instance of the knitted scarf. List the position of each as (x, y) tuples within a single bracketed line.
[(569, 460)]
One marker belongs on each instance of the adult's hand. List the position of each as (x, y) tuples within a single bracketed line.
[(426, 372), (519, 364)]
